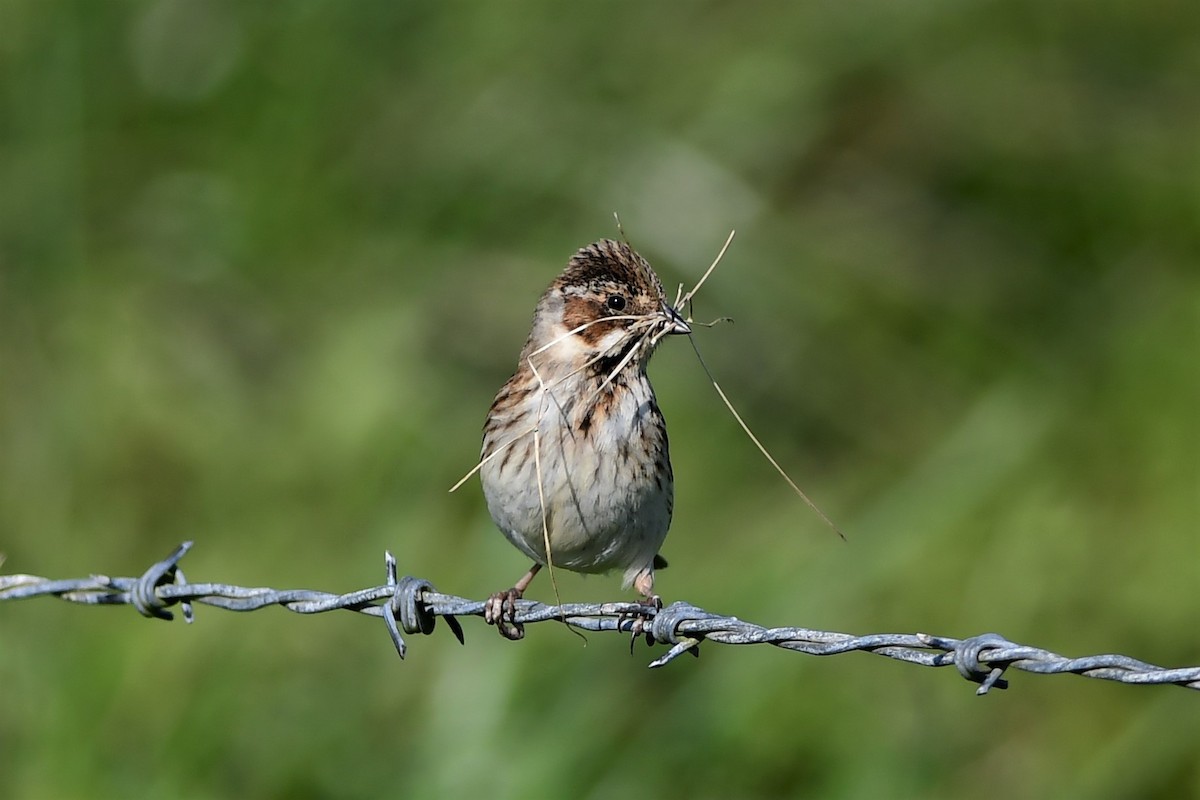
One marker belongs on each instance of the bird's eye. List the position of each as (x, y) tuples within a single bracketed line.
[(616, 302)]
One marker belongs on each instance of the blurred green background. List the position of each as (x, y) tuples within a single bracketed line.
[(263, 267)]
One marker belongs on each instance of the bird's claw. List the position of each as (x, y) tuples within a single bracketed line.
[(501, 610)]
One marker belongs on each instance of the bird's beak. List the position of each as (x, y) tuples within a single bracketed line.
[(677, 323)]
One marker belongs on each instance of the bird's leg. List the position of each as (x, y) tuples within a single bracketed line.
[(644, 584), (501, 608)]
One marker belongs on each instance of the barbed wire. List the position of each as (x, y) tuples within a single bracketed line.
[(412, 605)]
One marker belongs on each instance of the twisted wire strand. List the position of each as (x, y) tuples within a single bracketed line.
[(411, 605)]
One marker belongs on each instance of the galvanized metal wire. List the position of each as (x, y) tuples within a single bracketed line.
[(411, 605)]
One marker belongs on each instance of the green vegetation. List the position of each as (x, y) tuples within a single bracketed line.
[(262, 269)]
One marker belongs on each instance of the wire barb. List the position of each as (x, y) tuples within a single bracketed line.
[(412, 605), (144, 594)]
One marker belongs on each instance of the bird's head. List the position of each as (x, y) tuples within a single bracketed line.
[(607, 310)]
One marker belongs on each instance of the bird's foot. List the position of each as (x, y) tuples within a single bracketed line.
[(501, 610), (641, 620)]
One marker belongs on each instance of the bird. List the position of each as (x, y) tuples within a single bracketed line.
[(575, 464)]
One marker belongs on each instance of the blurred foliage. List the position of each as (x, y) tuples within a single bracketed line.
[(262, 269)]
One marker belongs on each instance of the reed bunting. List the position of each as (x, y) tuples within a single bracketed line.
[(575, 466)]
